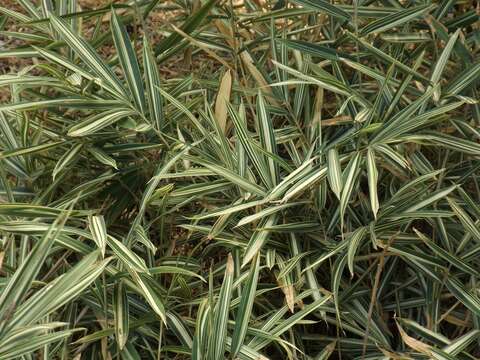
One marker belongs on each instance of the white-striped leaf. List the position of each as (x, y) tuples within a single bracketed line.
[(99, 231)]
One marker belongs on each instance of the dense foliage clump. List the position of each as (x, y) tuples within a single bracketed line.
[(240, 179)]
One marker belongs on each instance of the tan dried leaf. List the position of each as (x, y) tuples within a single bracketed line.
[(223, 98), (413, 343)]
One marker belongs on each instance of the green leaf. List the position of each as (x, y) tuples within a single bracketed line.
[(313, 49), (149, 293), (67, 158), (69, 286), (467, 222), (152, 80), (16, 349), (387, 58), (265, 212), (126, 256), (442, 62), (463, 80), (372, 175), (437, 195), (128, 60), (450, 258), (245, 308), (102, 157), (245, 139), (324, 7), (97, 122), (192, 23), (460, 344), (351, 173), (121, 315), (231, 176), (88, 55), (470, 300), (395, 20), (259, 238), (334, 174), (295, 318), (222, 307), (99, 231), (451, 142), (354, 243), (18, 285), (267, 138), (34, 211)]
